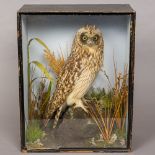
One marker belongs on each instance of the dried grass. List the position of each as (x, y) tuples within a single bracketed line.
[(114, 107), (56, 64)]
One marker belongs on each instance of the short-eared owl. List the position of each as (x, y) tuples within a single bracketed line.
[(78, 73)]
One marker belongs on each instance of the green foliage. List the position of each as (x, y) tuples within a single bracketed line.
[(104, 98), (41, 43), (44, 98), (37, 100), (43, 70), (106, 101), (33, 132), (121, 133), (95, 94)]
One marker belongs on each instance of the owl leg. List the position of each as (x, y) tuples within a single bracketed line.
[(79, 104)]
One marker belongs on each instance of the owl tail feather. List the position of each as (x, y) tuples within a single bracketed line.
[(57, 116), (60, 113), (45, 122)]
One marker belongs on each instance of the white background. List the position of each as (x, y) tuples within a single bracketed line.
[(144, 100)]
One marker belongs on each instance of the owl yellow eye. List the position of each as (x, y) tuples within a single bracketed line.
[(95, 38), (84, 37)]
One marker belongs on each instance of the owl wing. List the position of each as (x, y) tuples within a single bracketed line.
[(65, 83)]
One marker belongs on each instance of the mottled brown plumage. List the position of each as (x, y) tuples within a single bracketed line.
[(78, 73)]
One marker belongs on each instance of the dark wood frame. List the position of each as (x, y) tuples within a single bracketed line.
[(100, 9)]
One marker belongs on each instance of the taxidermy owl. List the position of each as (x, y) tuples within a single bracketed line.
[(78, 72)]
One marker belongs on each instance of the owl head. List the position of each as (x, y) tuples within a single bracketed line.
[(89, 36)]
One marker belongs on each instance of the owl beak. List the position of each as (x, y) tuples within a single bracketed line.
[(90, 43)]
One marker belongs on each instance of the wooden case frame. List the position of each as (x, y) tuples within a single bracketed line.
[(108, 9)]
